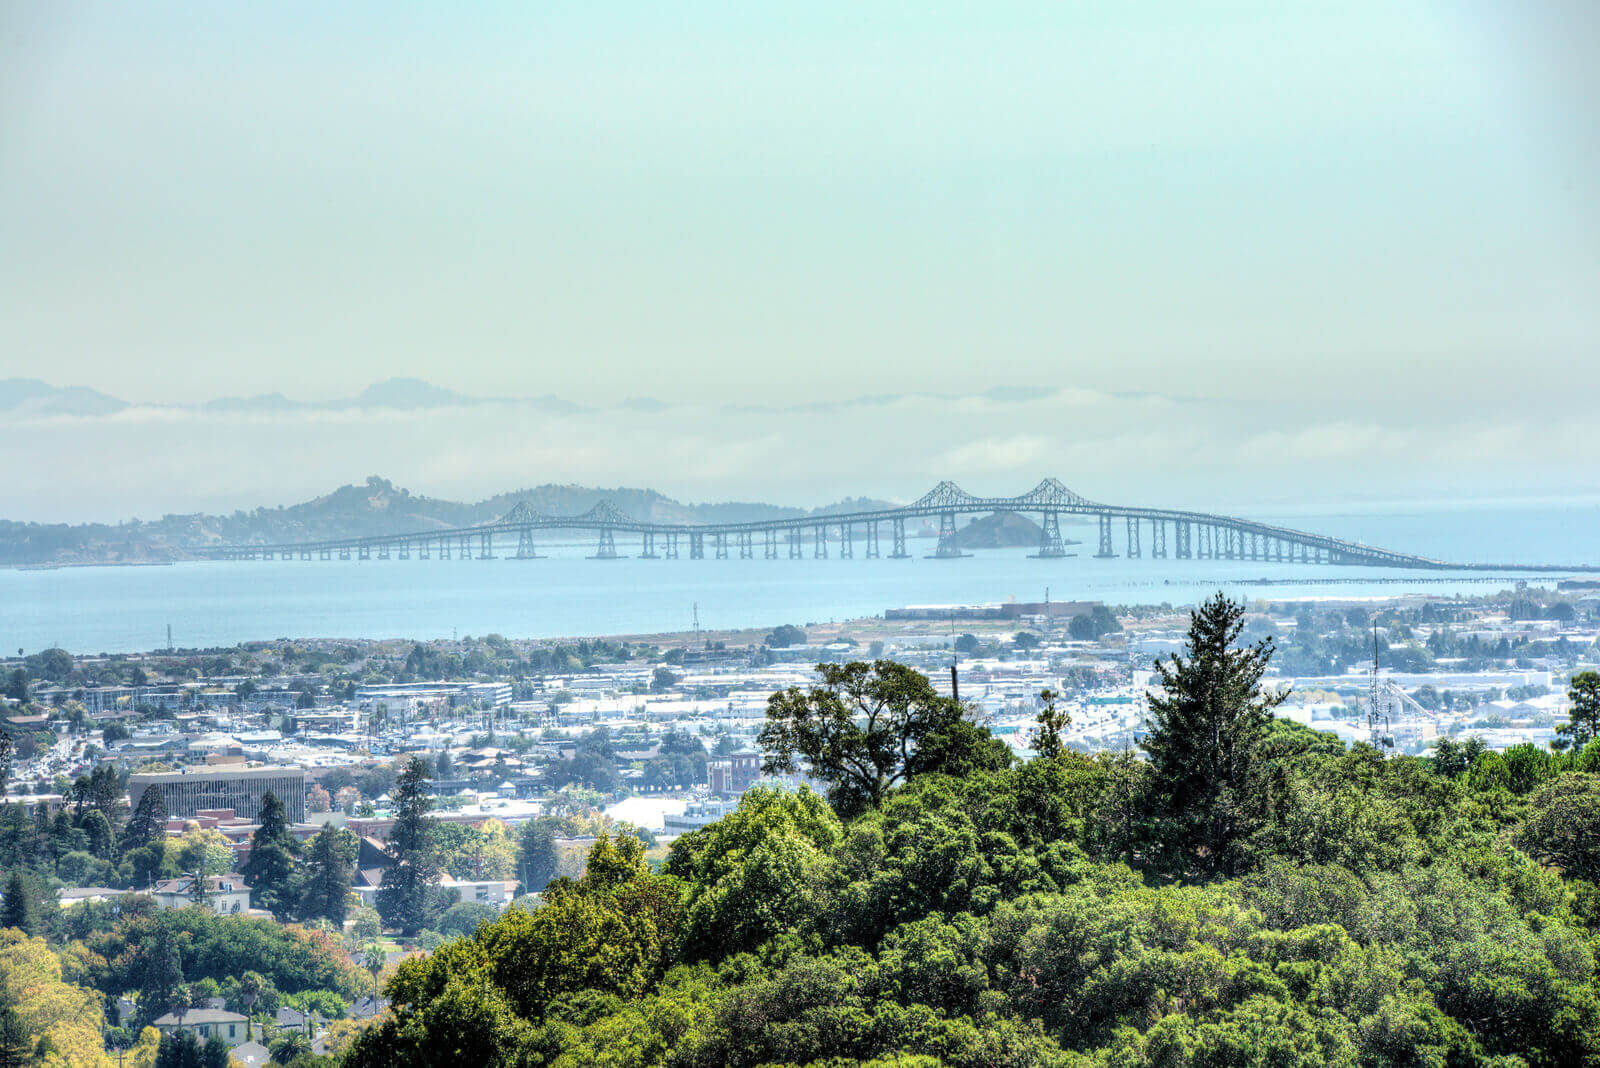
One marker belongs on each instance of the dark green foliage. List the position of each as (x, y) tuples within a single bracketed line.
[(407, 899), (157, 951), (19, 910), (330, 867), (148, 824), (273, 871), (157, 972), (1205, 726), (536, 854), (1052, 721), (1068, 911), (182, 1049), (783, 637), (858, 731), (1583, 720)]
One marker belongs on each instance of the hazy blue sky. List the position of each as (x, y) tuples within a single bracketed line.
[(1343, 248)]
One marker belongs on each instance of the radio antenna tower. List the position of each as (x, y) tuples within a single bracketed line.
[(1378, 705)]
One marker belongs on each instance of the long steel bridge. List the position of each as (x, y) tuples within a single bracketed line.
[(1157, 532)]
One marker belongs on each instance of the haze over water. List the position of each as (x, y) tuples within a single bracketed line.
[(126, 609)]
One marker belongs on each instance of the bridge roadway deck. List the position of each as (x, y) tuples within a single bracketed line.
[(945, 502)]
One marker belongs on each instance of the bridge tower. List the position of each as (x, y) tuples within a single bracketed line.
[(1050, 545), (525, 548), (947, 549), (607, 549), (899, 530), (1105, 552)]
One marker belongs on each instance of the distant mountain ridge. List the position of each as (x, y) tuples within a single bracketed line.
[(28, 397), (374, 507)]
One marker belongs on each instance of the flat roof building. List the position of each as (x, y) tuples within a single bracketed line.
[(194, 790)]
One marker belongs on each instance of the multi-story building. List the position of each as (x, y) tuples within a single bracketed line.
[(192, 790), (734, 775)]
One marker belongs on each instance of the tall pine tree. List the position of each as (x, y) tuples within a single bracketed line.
[(273, 870), (148, 824), (329, 871), (406, 895), (18, 910), (162, 976), (1205, 727), (144, 838)]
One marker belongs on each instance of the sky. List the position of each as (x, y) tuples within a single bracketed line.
[(1179, 253)]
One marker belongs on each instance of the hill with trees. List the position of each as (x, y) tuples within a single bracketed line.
[(374, 507), (1253, 893)]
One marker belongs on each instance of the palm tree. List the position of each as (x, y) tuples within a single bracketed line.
[(373, 961)]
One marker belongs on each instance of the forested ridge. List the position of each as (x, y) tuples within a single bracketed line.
[(1251, 892)]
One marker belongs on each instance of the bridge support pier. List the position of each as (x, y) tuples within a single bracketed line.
[(324, 554), (772, 544), (1105, 552), (464, 547), (672, 545), (1133, 538), (525, 547), (847, 551), (607, 549), (746, 549), (697, 545), (422, 549), (898, 528), (1050, 545), (485, 546), (383, 551), (1158, 540), (647, 545), (819, 541), (405, 550), (872, 540), (364, 552), (795, 548), (947, 548), (720, 540), (1180, 534)]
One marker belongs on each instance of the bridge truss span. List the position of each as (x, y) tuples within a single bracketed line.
[(1155, 533)]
